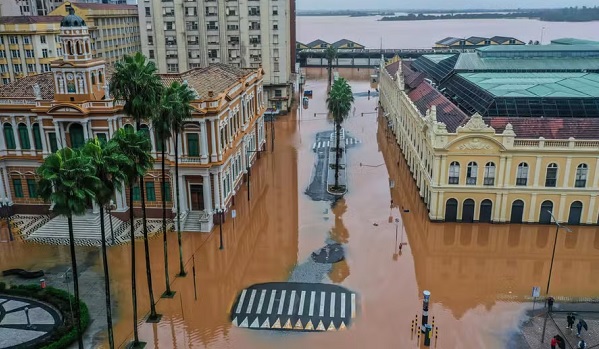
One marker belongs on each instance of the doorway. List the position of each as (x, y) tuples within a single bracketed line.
[(575, 213), (451, 210), (468, 211), (196, 192), (545, 214), (486, 211), (517, 211)]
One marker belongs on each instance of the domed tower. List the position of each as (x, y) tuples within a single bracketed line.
[(77, 76)]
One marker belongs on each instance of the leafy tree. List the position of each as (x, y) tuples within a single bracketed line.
[(330, 54), (136, 83), (136, 147), (108, 162), (339, 105), (68, 180)]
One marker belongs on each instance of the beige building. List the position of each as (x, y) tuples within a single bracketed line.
[(249, 34), (113, 28), (27, 45), (493, 169), (65, 107)]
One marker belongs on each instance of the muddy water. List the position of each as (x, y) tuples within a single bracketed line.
[(478, 274)]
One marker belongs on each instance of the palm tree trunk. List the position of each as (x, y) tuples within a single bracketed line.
[(75, 281), (106, 280), (330, 64), (133, 271), (168, 292), (337, 154), (153, 315), (181, 266)]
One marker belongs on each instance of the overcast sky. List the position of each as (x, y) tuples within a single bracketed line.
[(435, 4)]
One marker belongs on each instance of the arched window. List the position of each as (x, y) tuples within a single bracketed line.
[(24, 137), (489, 178), (546, 210), (70, 47), (522, 174), (93, 78), (551, 175), (79, 48), (454, 173), (37, 137), (581, 176), (9, 137), (575, 213), (100, 77), (517, 211), (471, 173), (76, 135), (129, 128)]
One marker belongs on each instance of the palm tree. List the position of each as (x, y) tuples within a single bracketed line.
[(330, 54), (108, 162), (68, 180), (136, 83), (339, 105), (181, 112), (162, 127), (136, 147)]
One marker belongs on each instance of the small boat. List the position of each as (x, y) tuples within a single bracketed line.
[(308, 93), (305, 100)]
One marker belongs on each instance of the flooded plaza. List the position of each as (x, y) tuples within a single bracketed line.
[(480, 275)]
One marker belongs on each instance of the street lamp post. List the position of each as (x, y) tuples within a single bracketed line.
[(557, 228), (220, 226), (5, 206), (109, 207)]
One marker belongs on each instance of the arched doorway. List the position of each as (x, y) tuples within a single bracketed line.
[(486, 211), (517, 211), (76, 136), (468, 211), (575, 213), (451, 210), (545, 215)]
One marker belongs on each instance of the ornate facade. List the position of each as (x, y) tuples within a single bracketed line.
[(42, 113), (500, 169)]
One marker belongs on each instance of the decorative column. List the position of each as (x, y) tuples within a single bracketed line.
[(442, 171), (15, 131), (567, 172), (562, 208), (213, 152), (217, 202), (533, 206), (110, 128), (204, 142), (58, 135), (151, 134), (596, 175), (183, 193), (230, 129), (121, 200), (43, 137), (207, 192), (2, 191), (218, 140), (31, 139), (5, 178), (590, 214)]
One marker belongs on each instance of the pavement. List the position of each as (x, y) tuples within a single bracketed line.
[(25, 322), (531, 333)]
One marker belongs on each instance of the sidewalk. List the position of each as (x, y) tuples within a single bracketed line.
[(532, 327)]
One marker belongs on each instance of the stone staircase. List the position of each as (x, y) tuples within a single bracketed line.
[(86, 230), (197, 221)]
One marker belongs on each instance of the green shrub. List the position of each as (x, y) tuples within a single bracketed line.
[(2, 286), (65, 334)]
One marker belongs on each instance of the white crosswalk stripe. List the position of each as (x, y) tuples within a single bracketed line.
[(288, 309), (329, 143)]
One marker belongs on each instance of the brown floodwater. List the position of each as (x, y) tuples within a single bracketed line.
[(479, 275)]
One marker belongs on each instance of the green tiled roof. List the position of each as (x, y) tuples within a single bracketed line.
[(473, 62), (438, 58), (537, 48), (574, 41), (555, 85)]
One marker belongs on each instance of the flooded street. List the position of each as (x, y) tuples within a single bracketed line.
[(479, 275)]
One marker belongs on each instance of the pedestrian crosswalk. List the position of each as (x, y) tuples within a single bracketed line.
[(327, 144), (294, 306)]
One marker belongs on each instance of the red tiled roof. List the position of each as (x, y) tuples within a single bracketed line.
[(97, 6), (412, 78), (23, 88), (548, 128), (392, 68), (29, 19)]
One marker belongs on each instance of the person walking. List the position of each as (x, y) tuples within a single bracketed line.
[(553, 342), (570, 319), (550, 301)]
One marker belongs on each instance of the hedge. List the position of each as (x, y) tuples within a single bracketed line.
[(66, 333)]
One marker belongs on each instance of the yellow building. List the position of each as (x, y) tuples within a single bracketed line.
[(220, 142), (493, 169), (113, 28), (27, 45)]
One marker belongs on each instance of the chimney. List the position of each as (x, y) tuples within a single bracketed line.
[(210, 94)]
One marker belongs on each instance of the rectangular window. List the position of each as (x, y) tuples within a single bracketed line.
[(193, 144), (17, 68), (151, 54), (212, 25), (148, 13), (15, 53), (32, 187), (136, 193), (43, 39), (53, 143), (45, 52), (150, 40), (172, 68), (102, 138), (276, 67), (275, 10), (167, 190), (31, 68), (551, 177), (18, 188), (14, 40), (150, 191)]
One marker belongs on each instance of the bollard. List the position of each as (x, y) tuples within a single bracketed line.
[(425, 301), (43, 283)]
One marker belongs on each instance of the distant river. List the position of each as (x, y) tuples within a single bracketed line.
[(423, 34)]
